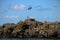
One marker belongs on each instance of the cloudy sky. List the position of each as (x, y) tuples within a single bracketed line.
[(12, 11)]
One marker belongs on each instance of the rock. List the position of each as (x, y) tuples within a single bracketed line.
[(30, 28), (8, 28)]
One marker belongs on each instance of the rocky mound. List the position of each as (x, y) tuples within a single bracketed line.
[(30, 28)]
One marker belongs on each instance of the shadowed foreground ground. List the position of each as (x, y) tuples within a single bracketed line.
[(30, 28)]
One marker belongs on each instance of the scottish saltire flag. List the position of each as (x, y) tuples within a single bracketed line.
[(29, 8)]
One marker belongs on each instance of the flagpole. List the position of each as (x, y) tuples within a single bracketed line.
[(29, 12), (28, 15)]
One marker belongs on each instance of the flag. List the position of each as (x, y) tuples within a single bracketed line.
[(29, 8)]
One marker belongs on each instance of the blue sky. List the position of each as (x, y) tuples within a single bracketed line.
[(12, 11)]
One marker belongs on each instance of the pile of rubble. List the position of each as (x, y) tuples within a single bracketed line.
[(30, 28)]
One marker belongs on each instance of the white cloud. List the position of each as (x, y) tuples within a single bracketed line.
[(31, 17), (19, 7), (2, 11), (13, 17)]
